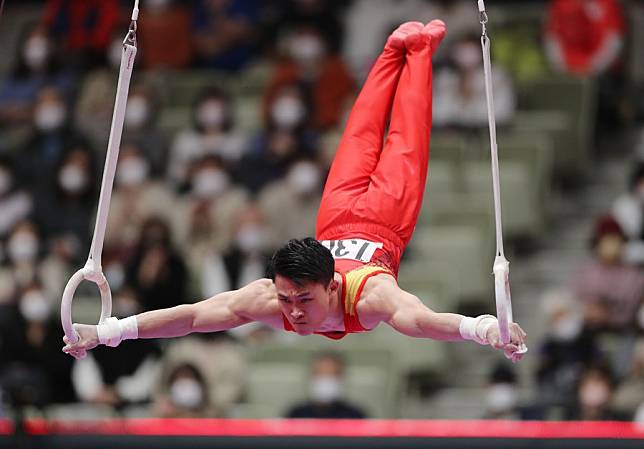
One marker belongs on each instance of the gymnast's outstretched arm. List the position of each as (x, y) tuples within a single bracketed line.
[(256, 301), (405, 312)]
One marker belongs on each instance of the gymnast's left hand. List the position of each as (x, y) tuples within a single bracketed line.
[(515, 349), (87, 339)]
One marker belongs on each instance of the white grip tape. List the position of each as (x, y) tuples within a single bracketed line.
[(476, 328), (112, 331), (481, 6)]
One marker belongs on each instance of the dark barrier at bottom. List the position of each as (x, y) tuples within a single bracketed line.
[(176, 442), (318, 434)]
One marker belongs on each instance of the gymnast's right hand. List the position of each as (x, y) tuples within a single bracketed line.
[(87, 339)]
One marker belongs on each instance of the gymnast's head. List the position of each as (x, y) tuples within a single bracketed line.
[(303, 274)]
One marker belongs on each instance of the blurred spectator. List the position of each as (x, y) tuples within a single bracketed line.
[(66, 211), (35, 66), (369, 24), (206, 222), (31, 362), (610, 291), (584, 37), (123, 377), (245, 260), (311, 63), (566, 350), (628, 211), (291, 204), (501, 397), (325, 15), (326, 396), (185, 394), (164, 35), (95, 104), (595, 396), (225, 33), (28, 262), (135, 198), (213, 133), (83, 27), (459, 88), (286, 138), (15, 203), (222, 382), (139, 126), (37, 160), (156, 271), (630, 393)]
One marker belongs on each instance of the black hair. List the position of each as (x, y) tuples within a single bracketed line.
[(303, 261)]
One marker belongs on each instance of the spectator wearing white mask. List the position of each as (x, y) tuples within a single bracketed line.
[(245, 259), (208, 215), (35, 67), (595, 395), (140, 127), (136, 197), (326, 392), (565, 351), (459, 88), (501, 395), (213, 133), (308, 59), (28, 335), (27, 262), (287, 136), (184, 394), (291, 204), (37, 160), (66, 211)]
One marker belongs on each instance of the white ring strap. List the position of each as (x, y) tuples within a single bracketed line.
[(92, 270)]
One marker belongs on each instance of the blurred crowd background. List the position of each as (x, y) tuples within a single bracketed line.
[(234, 114)]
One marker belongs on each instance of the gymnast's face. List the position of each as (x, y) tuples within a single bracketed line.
[(305, 306)]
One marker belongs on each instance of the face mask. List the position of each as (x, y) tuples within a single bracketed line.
[(132, 172), (5, 181), (467, 56), (250, 239), (325, 389), (594, 394), (287, 112), (500, 398), (210, 182), (22, 247), (115, 275), (49, 117), (35, 307), (303, 178), (609, 248), (211, 114), (306, 49), (186, 393), (35, 52), (72, 178), (567, 328), (136, 112)]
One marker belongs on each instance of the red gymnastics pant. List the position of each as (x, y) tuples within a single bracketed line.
[(375, 192)]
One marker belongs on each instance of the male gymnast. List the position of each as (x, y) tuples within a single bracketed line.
[(344, 281)]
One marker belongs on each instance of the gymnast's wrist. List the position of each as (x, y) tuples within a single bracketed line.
[(476, 329), (112, 331)]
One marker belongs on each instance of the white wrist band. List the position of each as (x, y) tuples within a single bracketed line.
[(476, 328), (112, 331)]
